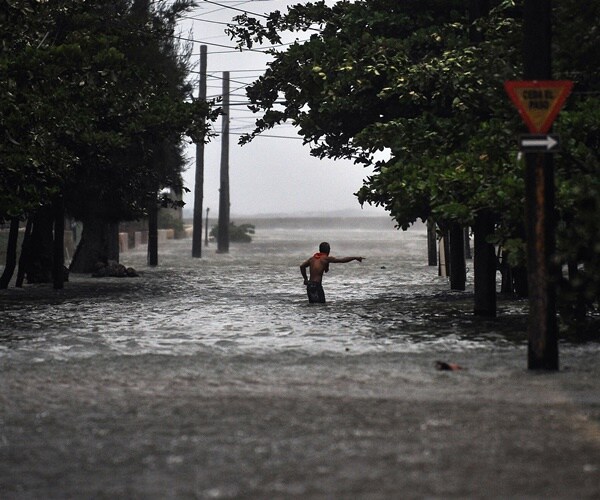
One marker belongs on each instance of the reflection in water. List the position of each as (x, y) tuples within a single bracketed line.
[(252, 301)]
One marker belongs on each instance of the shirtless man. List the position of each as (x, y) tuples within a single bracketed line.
[(319, 264)]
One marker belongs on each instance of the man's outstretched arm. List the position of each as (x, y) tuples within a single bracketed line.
[(343, 260)]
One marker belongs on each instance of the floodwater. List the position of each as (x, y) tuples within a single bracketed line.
[(214, 378)]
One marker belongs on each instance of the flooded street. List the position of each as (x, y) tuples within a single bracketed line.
[(214, 378)]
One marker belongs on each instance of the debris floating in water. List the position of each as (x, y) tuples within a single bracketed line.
[(442, 365)]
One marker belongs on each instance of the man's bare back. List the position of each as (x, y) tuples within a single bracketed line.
[(317, 265)]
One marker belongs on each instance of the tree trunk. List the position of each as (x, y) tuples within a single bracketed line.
[(444, 252), (112, 251), (58, 268), (39, 263), (93, 246), (458, 271), (24, 258), (431, 243), (521, 285), (484, 266), (580, 307), (153, 235), (11, 253), (507, 285), (467, 238)]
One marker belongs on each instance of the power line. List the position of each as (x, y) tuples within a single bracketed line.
[(216, 96), (213, 52), (224, 7), (244, 11), (256, 73), (186, 39), (276, 136), (252, 13), (214, 77), (236, 9), (234, 49), (245, 70), (195, 18), (204, 20), (239, 88)]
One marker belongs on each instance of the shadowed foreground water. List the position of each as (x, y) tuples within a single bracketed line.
[(214, 378)]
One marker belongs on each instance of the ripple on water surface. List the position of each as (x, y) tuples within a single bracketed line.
[(252, 301)]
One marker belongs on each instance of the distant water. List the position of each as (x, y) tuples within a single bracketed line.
[(252, 300)]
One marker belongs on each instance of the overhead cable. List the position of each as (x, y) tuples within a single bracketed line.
[(234, 8)]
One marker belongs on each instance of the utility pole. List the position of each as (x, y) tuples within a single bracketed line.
[(199, 184), (539, 203), (206, 228), (223, 236)]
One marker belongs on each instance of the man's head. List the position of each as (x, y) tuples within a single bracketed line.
[(324, 247)]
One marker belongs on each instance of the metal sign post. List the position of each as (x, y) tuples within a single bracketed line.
[(539, 100)]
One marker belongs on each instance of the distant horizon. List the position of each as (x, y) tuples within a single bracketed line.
[(188, 213)]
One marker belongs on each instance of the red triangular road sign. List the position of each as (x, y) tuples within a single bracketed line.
[(539, 101)]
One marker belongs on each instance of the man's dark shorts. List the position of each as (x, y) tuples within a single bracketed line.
[(315, 292)]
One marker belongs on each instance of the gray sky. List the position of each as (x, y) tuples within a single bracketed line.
[(270, 175)]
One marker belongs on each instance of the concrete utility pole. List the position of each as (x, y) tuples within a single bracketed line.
[(199, 184), (539, 205), (223, 236), (206, 228)]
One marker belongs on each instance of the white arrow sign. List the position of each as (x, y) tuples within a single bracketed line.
[(539, 142)]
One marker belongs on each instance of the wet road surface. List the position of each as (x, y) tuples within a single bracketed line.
[(215, 379)]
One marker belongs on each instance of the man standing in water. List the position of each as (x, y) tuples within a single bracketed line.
[(319, 264)]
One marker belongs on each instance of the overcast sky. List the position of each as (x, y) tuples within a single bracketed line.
[(270, 175)]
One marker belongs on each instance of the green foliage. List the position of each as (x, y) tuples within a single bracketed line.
[(422, 83), (578, 201), (407, 79), (97, 106), (237, 234)]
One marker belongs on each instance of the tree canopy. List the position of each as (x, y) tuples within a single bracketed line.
[(402, 77), (97, 105), (422, 83)]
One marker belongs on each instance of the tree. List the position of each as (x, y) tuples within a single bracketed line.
[(237, 234), (151, 113), (402, 77), (409, 78), (33, 159), (112, 134), (11, 253)]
